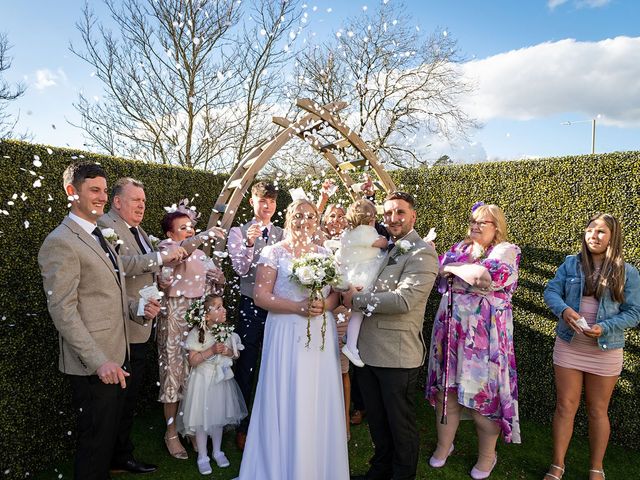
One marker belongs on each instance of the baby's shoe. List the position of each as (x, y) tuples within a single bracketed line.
[(354, 357), (204, 466), (221, 459)]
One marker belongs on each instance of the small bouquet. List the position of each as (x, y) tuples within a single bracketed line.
[(221, 331), (155, 241), (314, 271)]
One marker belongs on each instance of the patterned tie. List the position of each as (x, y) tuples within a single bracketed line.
[(103, 244), (136, 234)]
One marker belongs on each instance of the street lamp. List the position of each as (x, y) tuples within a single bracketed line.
[(593, 130)]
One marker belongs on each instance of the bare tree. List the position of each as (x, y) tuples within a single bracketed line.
[(8, 92), (261, 60), (165, 79), (397, 83), (184, 81)]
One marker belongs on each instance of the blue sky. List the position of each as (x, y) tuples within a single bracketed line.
[(536, 64)]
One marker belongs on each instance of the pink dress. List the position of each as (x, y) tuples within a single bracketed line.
[(582, 353)]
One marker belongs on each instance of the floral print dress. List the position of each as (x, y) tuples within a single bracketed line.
[(482, 363)]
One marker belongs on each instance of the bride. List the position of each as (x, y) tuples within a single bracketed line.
[(297, 424)]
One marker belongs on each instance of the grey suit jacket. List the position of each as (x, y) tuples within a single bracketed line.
[(86, 299), (392, 335), (139, 270)]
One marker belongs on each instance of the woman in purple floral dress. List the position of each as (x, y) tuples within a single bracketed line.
[(482, 380)]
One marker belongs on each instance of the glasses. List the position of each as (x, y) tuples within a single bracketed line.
[(480, 224), (308, 216)]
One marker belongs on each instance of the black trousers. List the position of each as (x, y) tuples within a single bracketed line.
[(389, 395), (250, 328), (99, 407), (123, 449), (356, 394)]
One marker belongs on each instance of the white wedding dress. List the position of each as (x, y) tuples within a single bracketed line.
[(297, 429)]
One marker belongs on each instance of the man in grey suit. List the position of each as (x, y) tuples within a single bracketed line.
[(391, 343), (84, 282), (128, 202)]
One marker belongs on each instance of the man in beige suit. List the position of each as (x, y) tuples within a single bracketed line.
[(84, 283), (391, 343), (128, 202)]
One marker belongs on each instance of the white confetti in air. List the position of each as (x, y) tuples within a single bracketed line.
[(329, 10), (263, 32), (36, 161), (26, 224), (37, 184), (445, 33), (49, 151)]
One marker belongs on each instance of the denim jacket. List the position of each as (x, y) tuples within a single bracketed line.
[(565, 290)]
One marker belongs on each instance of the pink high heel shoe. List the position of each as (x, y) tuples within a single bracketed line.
[(479, 474), (436, 463)]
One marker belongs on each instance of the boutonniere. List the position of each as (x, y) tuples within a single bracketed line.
[(402, 247), (154, 241), (112, 237)]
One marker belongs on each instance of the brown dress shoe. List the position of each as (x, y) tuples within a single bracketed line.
[(357, 416), (241, 439)]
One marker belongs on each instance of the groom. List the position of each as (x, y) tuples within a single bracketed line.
[(391, 342)]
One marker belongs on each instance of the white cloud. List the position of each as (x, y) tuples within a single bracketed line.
[(553, 4), (45, 78), (594, 78)]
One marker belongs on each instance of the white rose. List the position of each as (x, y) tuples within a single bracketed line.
[(320, 274), (404, 245), (305, 275)]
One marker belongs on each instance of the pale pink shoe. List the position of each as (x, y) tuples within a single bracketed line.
[(479, 474), (436, 463)]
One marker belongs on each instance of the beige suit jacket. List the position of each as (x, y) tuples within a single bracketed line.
[(392, 335), (139, 270), (86, 299)]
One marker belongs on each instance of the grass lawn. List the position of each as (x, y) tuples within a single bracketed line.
[(526, 461)]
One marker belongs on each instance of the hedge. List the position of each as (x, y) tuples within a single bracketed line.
[(546, 203), (35, 413)]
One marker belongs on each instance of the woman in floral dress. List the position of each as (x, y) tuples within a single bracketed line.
[(482, 377)]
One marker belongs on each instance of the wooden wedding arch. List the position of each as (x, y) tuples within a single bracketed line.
[(317, 118)]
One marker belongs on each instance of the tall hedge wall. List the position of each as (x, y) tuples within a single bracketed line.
[(36, 421), (546, 202)]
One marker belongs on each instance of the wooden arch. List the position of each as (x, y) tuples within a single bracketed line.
[(318, 117)]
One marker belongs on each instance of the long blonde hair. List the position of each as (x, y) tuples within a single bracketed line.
[(498, 218), (612, 275)]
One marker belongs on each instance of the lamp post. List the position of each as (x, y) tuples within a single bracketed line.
[(593, 131)]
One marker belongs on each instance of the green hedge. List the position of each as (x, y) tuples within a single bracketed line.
[(35, 413), (546, 202)]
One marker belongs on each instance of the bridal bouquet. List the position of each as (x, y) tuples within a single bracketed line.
[(314, 271)]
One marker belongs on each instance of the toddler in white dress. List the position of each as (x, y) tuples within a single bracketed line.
[(213, 399), (360, 255)]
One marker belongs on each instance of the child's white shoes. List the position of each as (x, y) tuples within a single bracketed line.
[(353, 357), (221, 459), (204, 466)]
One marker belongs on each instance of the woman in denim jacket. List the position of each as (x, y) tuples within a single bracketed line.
[(595, 295)]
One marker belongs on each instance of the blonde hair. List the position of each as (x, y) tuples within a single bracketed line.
[(612, 274), (291, 211), (498, 218), (361, 212)]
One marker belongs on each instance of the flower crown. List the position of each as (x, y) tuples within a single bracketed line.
[(195, 316)]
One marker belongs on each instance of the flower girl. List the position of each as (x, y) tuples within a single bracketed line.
[(360, 255), (213, 398)]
